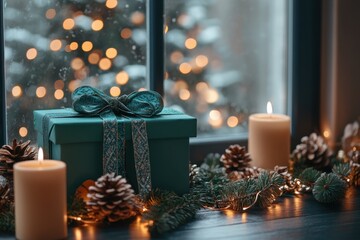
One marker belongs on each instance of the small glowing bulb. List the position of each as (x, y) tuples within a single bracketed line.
[(269, 108), (326, 133)]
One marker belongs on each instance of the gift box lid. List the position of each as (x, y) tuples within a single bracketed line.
[(90, 129)]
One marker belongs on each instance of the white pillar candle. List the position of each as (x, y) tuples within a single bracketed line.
[(40, 199), (269, 139)]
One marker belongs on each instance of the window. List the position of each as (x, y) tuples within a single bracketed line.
[(52, 47), (223, 59)]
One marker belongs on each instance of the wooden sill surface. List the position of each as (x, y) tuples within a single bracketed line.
[(292, 217)]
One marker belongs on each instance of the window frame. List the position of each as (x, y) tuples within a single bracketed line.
[(2, 81), (303, 74)]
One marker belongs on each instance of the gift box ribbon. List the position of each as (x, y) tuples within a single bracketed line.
[(88, 101)]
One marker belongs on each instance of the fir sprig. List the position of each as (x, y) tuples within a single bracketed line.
[(309, 176), (269, 186), (343, 170), (239, 195), (168, 211), (211, 181), (7, 217)]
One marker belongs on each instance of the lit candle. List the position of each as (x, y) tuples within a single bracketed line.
[(40, 199), (269, 139)]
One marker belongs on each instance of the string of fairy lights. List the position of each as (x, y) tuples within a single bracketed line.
[(186, 64)]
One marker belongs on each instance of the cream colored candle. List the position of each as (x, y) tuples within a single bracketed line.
[(40, 199), (269, 139)]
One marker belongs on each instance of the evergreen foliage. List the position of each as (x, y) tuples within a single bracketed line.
[(167, 211), (309, 176), (7, 217), (342, 169)]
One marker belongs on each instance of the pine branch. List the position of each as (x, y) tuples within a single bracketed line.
[(7, 218), (171, 211), (269, 186), (238, 195), (77, 208), (343, 170), (245, 193), (211, 180), (309, 176)]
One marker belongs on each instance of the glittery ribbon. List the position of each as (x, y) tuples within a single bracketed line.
[(141, 156), (88, 101)]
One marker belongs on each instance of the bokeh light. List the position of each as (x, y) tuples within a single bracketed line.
[(176, 57), (31, 53), (115, 91), (97, 25), (23, 132), (59, 94), (68, 24), (122, 78), (201, 87), (59, 84), (137, 18), (184, 94), (126, 33), (111, 3), (16, 91), (185, 68), (94, 58), (77, 63), (50, 13), (201, 61), (74, 46), (211, 95), (40, 92), (326, 133), (215, 118), (111, 53), (87, 46), (232, 121), (105, 64), (74, 84), (190, 43), (55, 45)]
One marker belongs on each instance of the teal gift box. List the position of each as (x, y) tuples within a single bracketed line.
[(78, 142)]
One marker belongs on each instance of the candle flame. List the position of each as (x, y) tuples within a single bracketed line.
[(40, 155), (269, 108)]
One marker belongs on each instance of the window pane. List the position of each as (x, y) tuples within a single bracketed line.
[(52, 47), (225, 60)]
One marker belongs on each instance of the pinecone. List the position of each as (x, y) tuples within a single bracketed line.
[(193, 173), (312, 152), (111, 198), (248, 172), (354, 153), (4, 189), (235, 158), (355, 174), (9, 155)]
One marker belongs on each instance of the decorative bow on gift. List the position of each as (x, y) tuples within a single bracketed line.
[(90, 101)]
